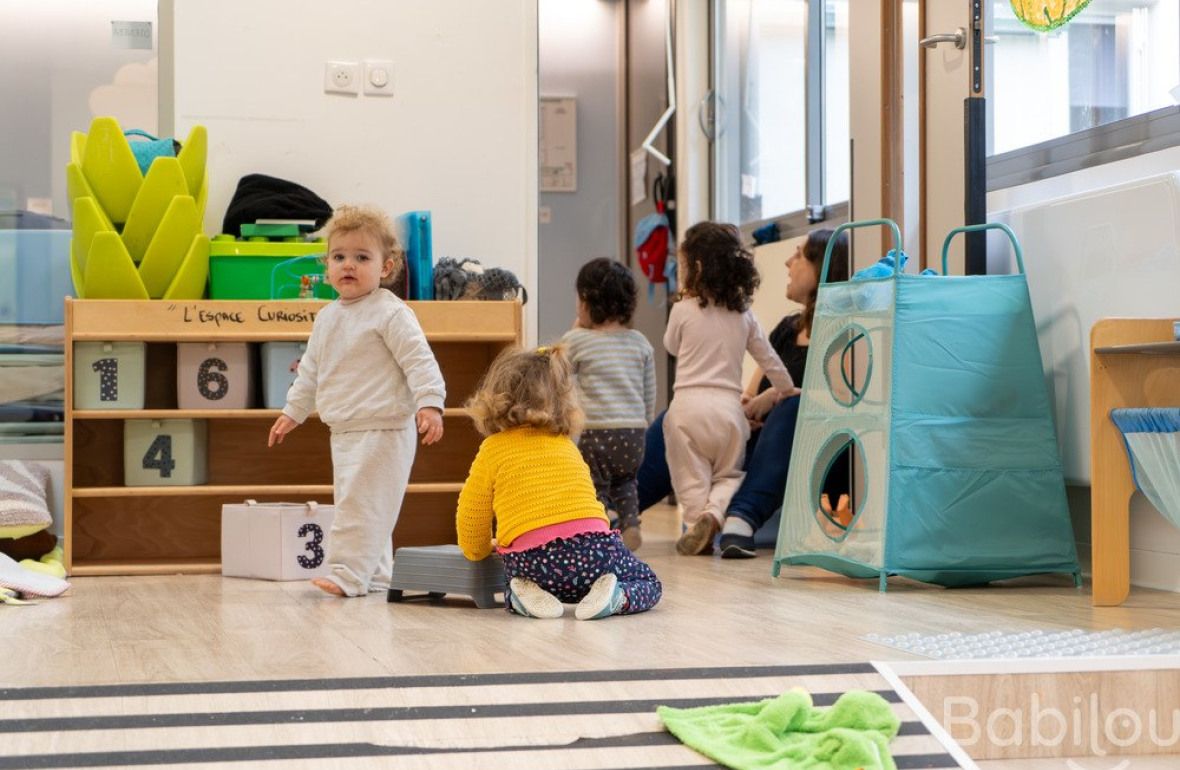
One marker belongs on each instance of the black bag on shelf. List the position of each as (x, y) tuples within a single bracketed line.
[(266, 197)]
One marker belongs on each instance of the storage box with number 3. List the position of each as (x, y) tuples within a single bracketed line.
[(213, 375), (275, 541), (109, 375), (158, 453)]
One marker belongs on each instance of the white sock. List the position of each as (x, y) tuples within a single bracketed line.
[(735, 525)]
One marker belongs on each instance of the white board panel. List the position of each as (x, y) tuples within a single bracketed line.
[(1113, 252)]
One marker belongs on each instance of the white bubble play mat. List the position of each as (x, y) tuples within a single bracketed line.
[(1034, 644)]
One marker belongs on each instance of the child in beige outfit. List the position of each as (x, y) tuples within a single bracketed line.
[(709, 331)]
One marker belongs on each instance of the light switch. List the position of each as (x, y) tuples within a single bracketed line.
[(378, 77)]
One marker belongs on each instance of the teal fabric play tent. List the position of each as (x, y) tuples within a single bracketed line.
[(935, 385)]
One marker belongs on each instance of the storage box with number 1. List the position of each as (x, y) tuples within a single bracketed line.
[(109, 375), (164, 453), (213, 375)]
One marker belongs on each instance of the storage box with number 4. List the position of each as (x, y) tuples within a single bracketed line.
[(109, 375), (213, 375), (164, 453), (275, 541)]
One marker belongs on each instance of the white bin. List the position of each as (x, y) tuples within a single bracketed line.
[(275, 541)]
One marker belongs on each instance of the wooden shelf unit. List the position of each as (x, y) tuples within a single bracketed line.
[(1134, 362), (113, 529)]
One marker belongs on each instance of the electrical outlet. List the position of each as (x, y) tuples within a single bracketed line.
[(342, 77), (378, 77)]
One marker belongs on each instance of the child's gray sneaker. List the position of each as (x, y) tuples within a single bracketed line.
[(606, 598), (529, 599)]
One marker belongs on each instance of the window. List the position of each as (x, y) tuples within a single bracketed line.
[(771, 128), (74, 64), (836, 116), (64, 62), (1114, 60)]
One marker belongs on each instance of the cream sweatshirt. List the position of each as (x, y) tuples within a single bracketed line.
[(367, 367), (709, 343)]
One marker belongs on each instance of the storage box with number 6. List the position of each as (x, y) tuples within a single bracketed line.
[(109, 375), (213, 375), (159, 453), (275, 541)]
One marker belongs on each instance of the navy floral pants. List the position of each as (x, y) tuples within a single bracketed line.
[(567, 567), (614, 455)]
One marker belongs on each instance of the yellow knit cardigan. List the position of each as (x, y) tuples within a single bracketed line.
[(526, 479)]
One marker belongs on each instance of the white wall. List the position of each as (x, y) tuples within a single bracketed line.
[(459, 136), (580, 57), (1155, 545)]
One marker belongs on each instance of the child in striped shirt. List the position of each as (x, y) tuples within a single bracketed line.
[(616, 374)]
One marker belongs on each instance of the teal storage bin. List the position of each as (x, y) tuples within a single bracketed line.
[(163, 453), (280, 364), (243, 269), (109, 375)]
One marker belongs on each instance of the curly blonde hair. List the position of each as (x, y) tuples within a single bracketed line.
[(533, 388), (371, 221)]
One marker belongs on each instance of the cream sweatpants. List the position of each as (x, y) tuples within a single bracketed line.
[(370, 469), (705, 432)]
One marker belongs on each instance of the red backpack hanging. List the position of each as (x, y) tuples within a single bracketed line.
[(653, 234)]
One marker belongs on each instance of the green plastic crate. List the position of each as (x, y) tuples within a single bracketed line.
[(243, 269)]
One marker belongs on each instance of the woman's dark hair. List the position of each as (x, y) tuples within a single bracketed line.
[(718, 268), (838, 268), (608, 289)]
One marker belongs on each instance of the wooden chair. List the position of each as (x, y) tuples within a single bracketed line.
[(1134, 362)]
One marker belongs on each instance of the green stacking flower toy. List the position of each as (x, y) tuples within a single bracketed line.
[(137, 235)]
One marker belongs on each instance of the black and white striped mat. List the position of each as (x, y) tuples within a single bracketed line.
[(578, 720)]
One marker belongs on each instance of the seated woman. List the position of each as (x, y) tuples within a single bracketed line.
[(772, 423)]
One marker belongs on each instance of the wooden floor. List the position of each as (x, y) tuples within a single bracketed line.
[(714, 613)]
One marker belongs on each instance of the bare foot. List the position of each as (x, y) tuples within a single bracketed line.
[(327, 586)]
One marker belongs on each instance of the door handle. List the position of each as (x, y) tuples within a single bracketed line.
[(707, 115), (958, 37)]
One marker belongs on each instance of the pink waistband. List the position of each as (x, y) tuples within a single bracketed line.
[(543, 535)]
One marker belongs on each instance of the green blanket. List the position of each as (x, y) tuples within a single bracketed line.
[(788, 733)]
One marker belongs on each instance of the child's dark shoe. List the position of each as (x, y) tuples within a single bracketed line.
[(735, 546)]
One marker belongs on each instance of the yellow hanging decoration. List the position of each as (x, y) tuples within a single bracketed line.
[(1047, 15)]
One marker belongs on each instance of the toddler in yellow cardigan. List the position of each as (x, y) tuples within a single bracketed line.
[(530, 478)]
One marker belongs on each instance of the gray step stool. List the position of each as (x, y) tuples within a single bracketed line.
[(442, 569)]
